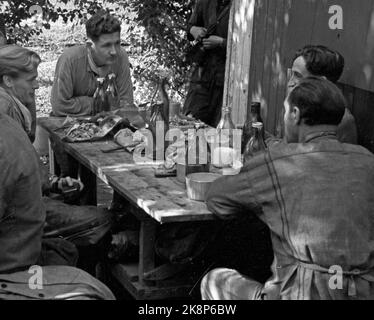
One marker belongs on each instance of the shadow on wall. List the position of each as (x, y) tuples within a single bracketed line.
[(279, 29)]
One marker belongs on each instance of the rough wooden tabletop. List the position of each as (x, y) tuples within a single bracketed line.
[(164, 199)]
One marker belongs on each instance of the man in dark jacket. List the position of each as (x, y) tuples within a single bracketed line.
[(209, 26), (22, 219)]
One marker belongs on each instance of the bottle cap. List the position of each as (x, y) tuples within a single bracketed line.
[(257, 125), (100, 80), (111, 76)]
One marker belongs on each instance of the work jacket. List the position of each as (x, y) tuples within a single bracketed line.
[(317, 200), (22, 214)]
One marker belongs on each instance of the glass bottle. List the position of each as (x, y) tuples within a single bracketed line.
[(253, 117), (111, 94), (99, 97), (256, 144), (157, 117), (225, 128)]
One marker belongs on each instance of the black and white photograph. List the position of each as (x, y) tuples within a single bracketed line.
[(184, 156)]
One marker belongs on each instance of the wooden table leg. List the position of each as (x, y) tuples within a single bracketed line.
[(146, 247), (89, 193)]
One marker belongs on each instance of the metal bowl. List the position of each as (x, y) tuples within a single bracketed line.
[(198, 184)]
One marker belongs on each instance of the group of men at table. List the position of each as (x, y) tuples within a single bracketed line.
[(313, 189)]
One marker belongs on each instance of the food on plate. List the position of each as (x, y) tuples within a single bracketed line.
[(82, 131), (178, 121)]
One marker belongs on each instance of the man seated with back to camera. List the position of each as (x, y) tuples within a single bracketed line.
[(315, 195)]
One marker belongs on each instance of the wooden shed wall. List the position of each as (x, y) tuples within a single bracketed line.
[(264, 37)]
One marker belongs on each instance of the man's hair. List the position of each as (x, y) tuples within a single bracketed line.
[(102, 23), (15, 60), (319, 100), (322, 61)]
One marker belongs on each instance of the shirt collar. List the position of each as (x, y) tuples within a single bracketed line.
[(321, 135), (26, 114), (92, 67)]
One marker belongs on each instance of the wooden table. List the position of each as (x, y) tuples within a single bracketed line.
[(157, 201)]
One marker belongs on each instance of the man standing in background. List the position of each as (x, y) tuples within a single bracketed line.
[(209, 26)]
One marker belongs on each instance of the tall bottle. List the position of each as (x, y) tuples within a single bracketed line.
[(165, 101), (99, 97), (256, 144), (156, 116), (253, 117), (156, 121), (225, 128), (111, 94)]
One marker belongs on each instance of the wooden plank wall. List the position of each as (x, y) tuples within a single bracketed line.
[(238, 58), (263, 51)]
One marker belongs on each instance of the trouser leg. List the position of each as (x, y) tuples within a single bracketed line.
[(227, 284), (67, 165), (82, 225)]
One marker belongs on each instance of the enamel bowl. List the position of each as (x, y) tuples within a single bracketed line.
[(198, 184)]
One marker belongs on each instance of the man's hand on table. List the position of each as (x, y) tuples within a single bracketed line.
[(102, 115), (68, 181), (133, 116)]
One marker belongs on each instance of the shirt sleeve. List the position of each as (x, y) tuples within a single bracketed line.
[(62, 97), (124, 83), (231, 196), (8, 179)]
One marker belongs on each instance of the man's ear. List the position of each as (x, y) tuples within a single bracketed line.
[(8, 81), (296, 115)]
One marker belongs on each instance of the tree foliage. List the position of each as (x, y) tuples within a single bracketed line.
[(155, 31), (164, 23)]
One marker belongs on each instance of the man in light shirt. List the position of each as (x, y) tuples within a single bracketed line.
[(78, 68)]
